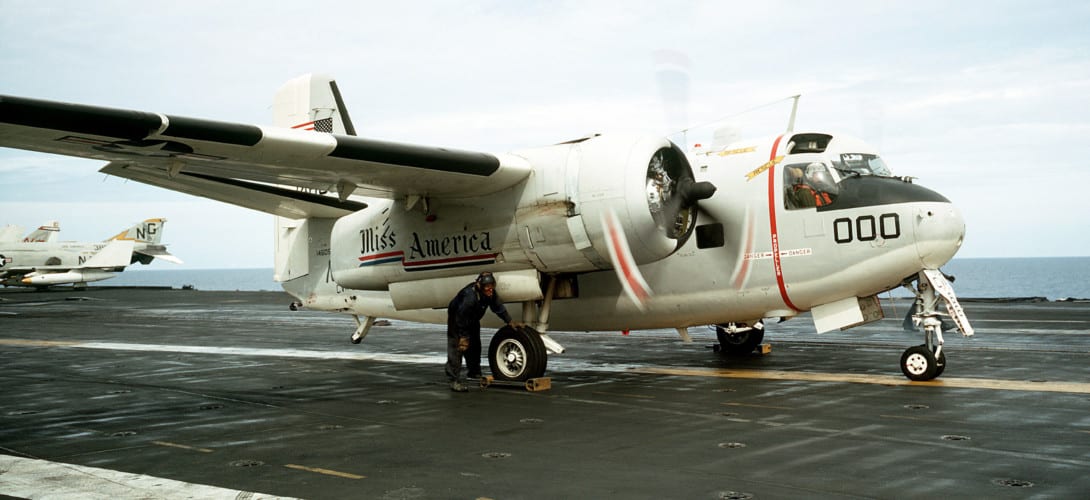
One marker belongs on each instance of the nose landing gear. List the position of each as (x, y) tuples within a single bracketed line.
[(927, 361)]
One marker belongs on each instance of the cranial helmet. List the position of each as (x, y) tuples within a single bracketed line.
[(486, 278)]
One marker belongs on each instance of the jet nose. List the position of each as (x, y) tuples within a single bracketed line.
[(940, 230)]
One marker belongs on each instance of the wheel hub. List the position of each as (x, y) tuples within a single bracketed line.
[(916, 364)]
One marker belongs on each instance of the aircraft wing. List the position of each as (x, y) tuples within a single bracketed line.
[(282, 171)]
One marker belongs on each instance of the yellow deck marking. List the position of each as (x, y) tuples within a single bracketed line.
[(960, 383), (37, 343), (182, 446), (325, 471)]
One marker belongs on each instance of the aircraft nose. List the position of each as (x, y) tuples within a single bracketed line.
[(940, 230)]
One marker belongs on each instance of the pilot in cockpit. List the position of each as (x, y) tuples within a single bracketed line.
[(808, 186), (821, 183)]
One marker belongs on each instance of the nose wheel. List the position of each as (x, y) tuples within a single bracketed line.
[(919, 363)]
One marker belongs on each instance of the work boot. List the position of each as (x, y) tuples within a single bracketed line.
[(458, 386)]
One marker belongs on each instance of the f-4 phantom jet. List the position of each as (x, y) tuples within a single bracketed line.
[(44, 234), (43, 264)]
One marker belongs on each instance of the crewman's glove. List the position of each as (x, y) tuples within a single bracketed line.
[(463, 344)]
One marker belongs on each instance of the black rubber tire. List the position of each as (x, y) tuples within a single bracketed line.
[(918, 363), (524, 345), (741, 343)]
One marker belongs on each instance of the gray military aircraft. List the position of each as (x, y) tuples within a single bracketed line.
[(599, 233), (44, 234), (45, 263)]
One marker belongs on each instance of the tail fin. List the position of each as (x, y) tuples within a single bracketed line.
[(147, 235), (44, 234), (11, 232), (312, 102), (149, 231)]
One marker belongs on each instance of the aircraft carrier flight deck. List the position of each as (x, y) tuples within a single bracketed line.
[(159, 393)]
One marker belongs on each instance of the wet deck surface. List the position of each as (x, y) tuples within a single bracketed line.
[(231, 389)]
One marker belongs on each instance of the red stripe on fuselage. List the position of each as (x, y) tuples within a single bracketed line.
[(772, 224)]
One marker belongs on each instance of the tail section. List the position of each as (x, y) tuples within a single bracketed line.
[(149, 231), (308, 102), (44, 234), (146, 237), (11, 232), (312, 102)]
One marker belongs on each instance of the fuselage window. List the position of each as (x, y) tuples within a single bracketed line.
[(808, 185)]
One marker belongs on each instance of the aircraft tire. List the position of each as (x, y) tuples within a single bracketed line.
[(741, 343), (918, 363), (517, 354)]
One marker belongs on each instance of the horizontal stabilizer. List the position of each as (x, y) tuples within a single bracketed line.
[(159, 252)]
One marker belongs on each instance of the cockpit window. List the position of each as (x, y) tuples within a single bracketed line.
[(808, 185), (862, 164)]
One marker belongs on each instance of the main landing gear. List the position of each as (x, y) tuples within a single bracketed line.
[(927, 361), (517, 354), (522, 353)]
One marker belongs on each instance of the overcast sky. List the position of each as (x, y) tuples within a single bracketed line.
[(986, 102)]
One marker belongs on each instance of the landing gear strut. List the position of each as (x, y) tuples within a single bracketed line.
[(927, 361)]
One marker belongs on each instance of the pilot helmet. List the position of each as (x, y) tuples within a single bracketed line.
[(818, 176)]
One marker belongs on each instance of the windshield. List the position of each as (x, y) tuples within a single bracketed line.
[(862, 164)]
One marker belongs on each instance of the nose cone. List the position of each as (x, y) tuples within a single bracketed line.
[(940, 231)]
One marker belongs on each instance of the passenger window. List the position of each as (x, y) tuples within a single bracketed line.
[(808, 185)]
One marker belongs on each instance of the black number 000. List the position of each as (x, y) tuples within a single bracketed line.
[(866, 228)]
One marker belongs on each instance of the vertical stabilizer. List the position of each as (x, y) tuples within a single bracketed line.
[(312, 102), (149, 231), (44, 234), (11, 232)]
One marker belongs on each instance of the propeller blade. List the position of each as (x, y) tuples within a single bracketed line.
[(628, 273)]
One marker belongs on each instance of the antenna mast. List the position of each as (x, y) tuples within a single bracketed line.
[(794, 111)]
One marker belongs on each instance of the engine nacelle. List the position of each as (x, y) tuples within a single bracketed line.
[(561, 224)]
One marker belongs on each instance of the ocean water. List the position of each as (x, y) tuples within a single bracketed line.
[(1053, 278)]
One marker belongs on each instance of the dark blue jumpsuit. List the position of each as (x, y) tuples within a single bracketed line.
[(464, 315)]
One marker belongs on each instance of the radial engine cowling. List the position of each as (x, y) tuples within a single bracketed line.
[(646, 182)]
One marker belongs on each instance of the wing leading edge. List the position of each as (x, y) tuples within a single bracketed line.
[(287, 171)]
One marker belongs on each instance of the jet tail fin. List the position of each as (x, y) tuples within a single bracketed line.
[(149, 231), (312, 102), (44, 234), (11, 232)]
